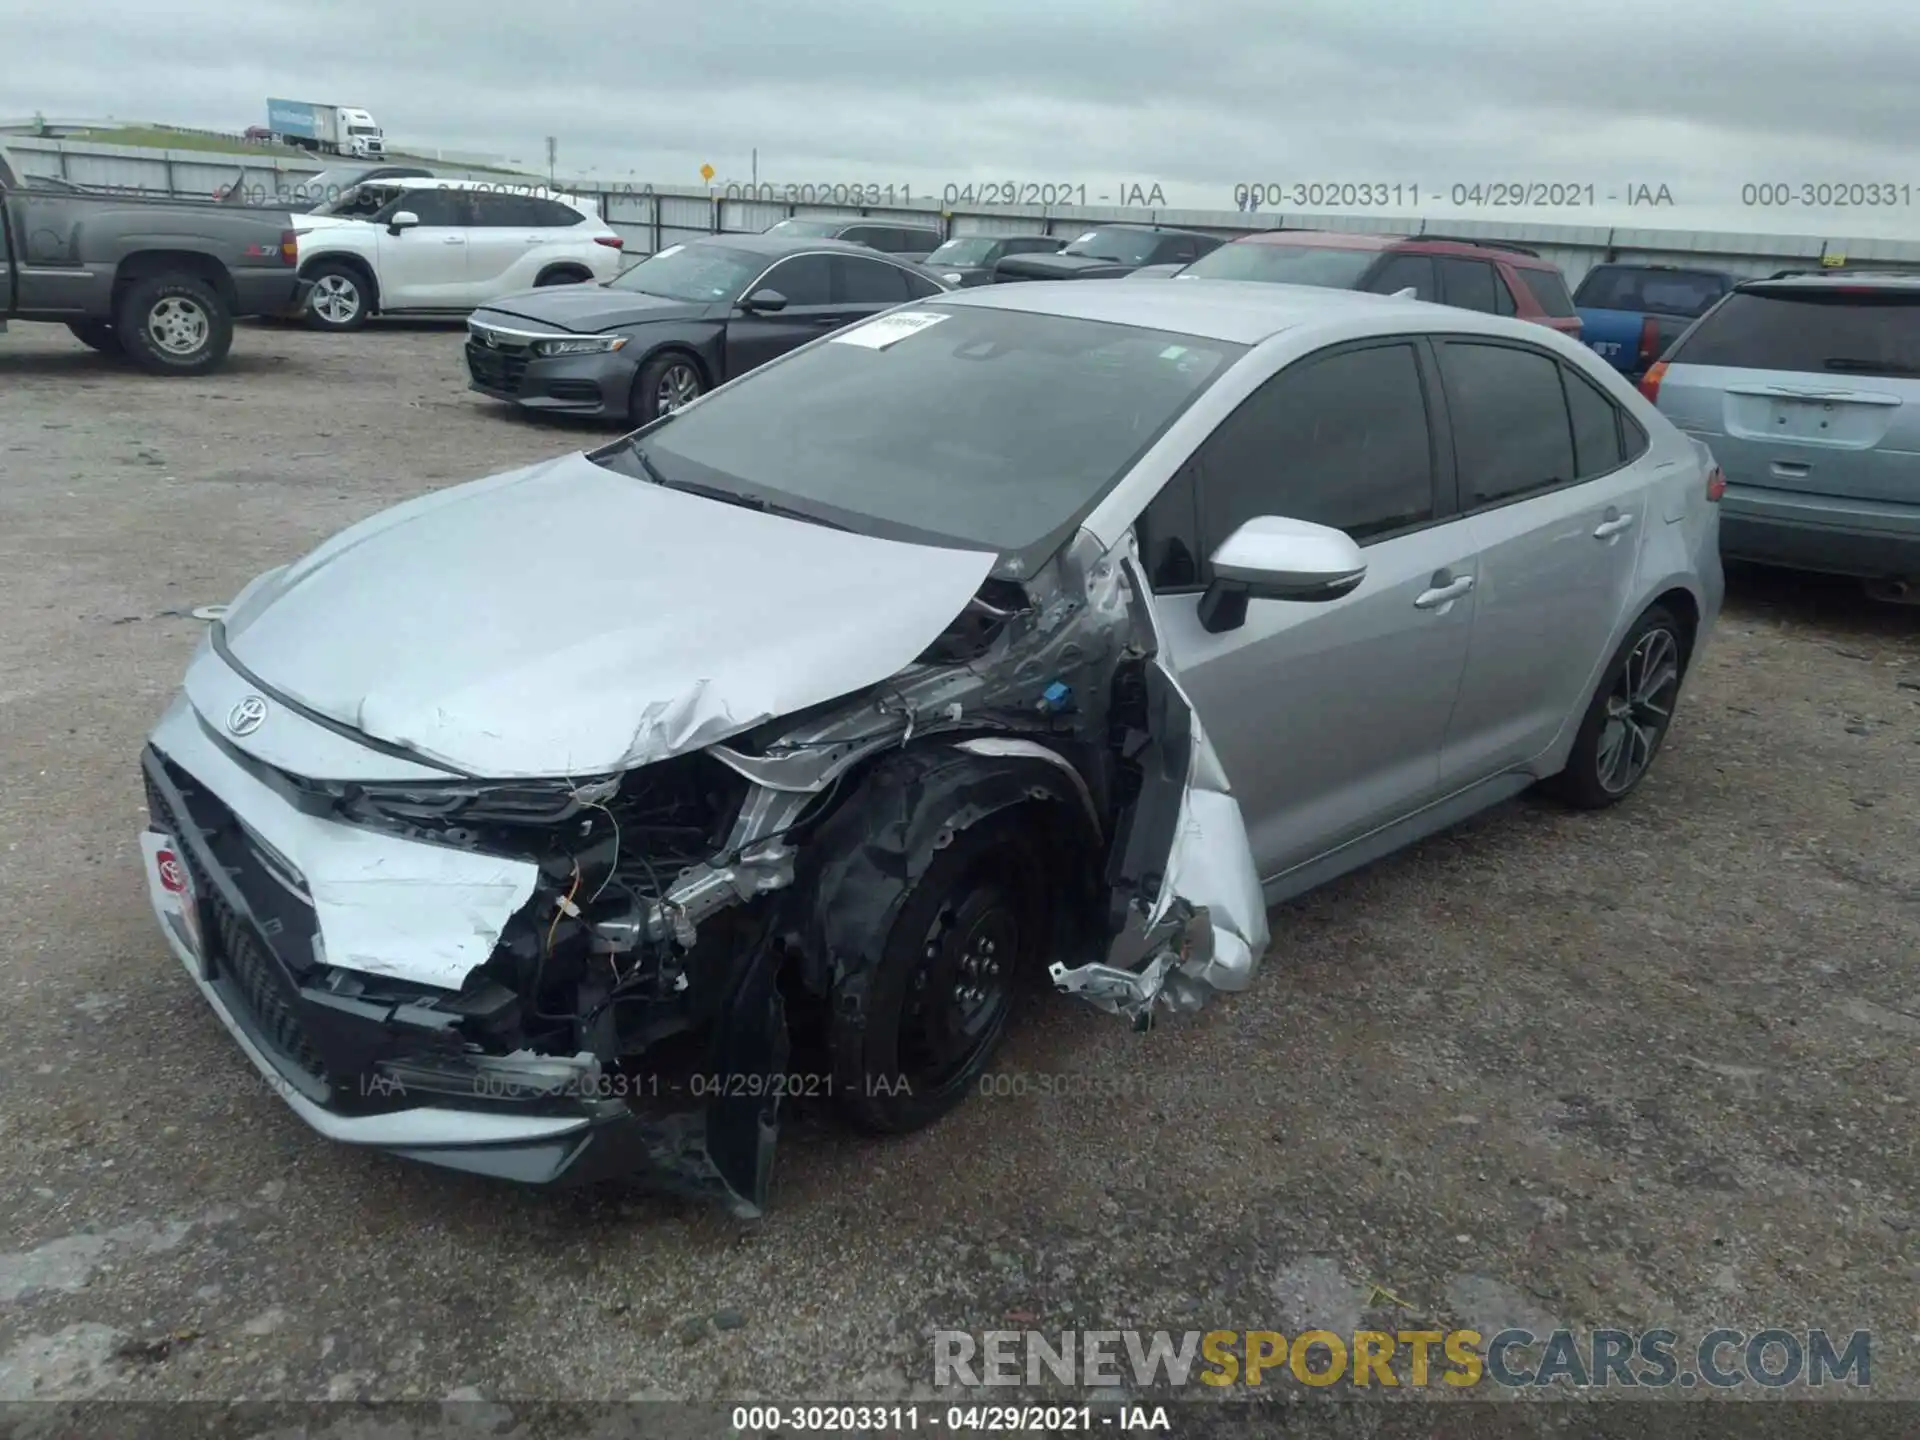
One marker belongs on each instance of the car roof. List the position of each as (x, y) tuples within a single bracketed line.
[(1838, 280), (1240, 312), (847, 222), (1093, 225), (429, 182)]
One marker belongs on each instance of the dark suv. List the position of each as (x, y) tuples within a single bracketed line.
[(1487, 275), (909, 242), (1108, 252)]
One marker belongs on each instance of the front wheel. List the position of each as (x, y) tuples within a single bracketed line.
[(174, 325), (339, 299), (910, 1039), (1628, 716), (665, 384)]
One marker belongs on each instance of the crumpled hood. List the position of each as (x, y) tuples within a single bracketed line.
[(565, 619), (585, 309)]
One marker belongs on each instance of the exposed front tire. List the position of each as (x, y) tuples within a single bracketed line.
[(340, 300), (929, 1018), (1629, 715), (97, 335), (665, 384), (173, 325)]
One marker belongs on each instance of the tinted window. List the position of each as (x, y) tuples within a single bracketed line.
[(1596, 426), (1176, 250), (1650, 291), (1285, 264), (990, 428), (920, 286), (1636, 441), (1511, 432), (1341, 440), (807, 229), (1401, 272), (966, 250), (1168, 534), (866, 282), (1111, 242), (909, 241), (1503, 301), (804, 280), (1467, 283), (704, 272), (525, 211), (1031, 244), (1867, 332), (438, 207), (1549, 291)]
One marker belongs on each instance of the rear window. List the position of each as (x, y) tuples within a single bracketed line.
[(1548, 289), (1690, 293), (1324, 265), (1875, 332)]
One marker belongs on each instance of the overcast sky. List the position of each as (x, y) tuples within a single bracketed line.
[(1699, 96)]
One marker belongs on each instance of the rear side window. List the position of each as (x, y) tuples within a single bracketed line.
[(1466, 283), (1503, 301), (921, 286), (867, 282), (1828, 331), (1338, 439), (1512, 436), (1548, 290), (1596, 426), (1688, 293)]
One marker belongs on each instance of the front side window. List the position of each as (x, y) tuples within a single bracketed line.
[(1339, 439), (436, 206), (985, 428), (804, 280), (1511, 433)]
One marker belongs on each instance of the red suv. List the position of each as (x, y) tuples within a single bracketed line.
[(1489, 275)]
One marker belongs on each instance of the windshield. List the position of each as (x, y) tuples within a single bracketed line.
[(986, 428), (1686, 293), (699, 272), (1811, 331), (362, 130), (1324, 265), (819, 229), (359, 202), (973, 250), (1126, 247)]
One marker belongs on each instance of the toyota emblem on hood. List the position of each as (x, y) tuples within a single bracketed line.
[(247, 716)]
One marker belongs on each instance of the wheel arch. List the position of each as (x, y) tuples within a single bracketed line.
[(149, 264), (579, 272)]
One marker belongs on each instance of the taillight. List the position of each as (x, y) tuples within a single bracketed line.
[(612, 242), (1650, 382), (1649, 342), (1716, 483), (289, 247)]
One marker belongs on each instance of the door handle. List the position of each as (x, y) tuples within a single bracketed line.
[(828, 322), (1440, 594), (454, 240), (1612, 526)]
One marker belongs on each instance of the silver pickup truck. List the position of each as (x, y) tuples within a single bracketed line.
[(160, 281)]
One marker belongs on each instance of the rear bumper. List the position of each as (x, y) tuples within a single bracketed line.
[(1870, 540), (589, 385)]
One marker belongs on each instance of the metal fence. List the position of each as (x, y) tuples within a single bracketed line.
[(651, 217)]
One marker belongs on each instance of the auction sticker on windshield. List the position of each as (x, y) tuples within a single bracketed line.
[(171, 885), (889, 329)]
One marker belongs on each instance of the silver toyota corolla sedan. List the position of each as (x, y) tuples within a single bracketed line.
[(582, 820)]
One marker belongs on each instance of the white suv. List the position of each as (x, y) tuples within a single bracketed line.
[(443, 247)]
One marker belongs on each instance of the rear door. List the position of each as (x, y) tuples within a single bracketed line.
[(1557, 504), (1806, 389), (512, 237)]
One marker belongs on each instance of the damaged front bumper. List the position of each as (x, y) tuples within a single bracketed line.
[(380, 1064)]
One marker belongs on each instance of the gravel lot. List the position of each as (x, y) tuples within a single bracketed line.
[(1649, 1067)]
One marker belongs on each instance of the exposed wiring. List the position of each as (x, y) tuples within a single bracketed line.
[(614, 863), (564, 907)]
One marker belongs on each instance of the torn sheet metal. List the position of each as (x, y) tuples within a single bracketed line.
[(511, 637), (384, 905)]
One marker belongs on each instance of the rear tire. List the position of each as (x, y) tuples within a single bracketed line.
[(174, 325), (97, 335), (340, 300), (1629, 715)]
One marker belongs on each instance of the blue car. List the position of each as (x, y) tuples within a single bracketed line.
[(1631, 314)]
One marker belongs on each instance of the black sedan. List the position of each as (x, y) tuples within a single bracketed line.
[(968, 260), (669, 329), (1108, 252)]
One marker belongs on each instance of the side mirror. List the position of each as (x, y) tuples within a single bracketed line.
[(769, 301), (402, 220), (1272, 558)]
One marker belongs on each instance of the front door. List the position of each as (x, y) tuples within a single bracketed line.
[(1328, 717), (425, 267), (756, 336)]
